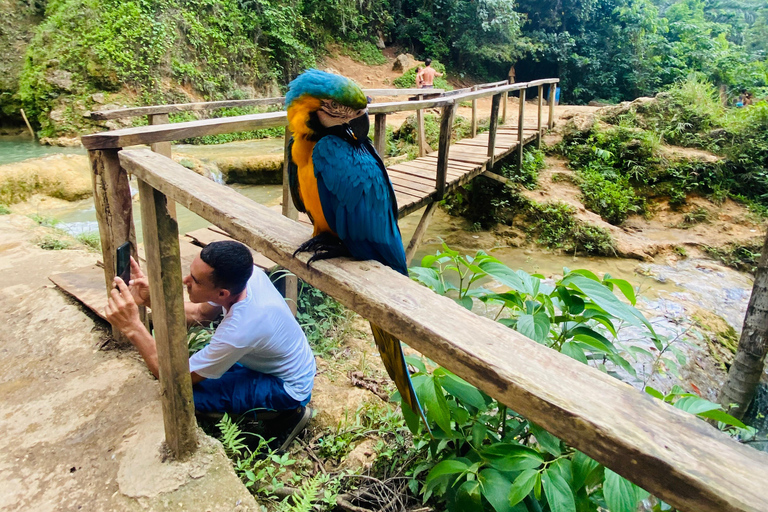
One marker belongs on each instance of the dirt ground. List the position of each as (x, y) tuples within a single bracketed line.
[(81, 417)]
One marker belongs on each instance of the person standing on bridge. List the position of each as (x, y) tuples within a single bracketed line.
[(426, 77), (258, 357)]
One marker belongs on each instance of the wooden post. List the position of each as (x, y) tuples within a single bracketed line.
[(26, 121), (420, 129), (446, 129), (164, 148), (161, 245), (495, 101), (551, 123), (380, 134), (505, 100), (474, 113), (538, 126), (521, 130), (421, 229), (114, 212), (289, 210)]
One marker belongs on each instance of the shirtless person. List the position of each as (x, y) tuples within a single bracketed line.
[(427, 75)]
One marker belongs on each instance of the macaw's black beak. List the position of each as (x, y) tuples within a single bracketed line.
[(358, 127)]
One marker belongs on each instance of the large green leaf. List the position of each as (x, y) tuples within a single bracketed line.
[(495, 488), (603, 297), (431, 396), (557, 492), (522, 486), (511, 457), (447, 467), (504, 275), (574, 351), (620, 494), (468, 497), (535, 327), (696, 405), (461, 389), (547, 441), (626, 289), (429, 277), (582, 466)]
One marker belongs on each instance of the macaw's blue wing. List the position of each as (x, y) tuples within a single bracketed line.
[(358, 201)]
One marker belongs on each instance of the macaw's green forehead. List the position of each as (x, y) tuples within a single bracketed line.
[(320, 84)]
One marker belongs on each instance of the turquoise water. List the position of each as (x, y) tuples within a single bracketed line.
[(17, 148)]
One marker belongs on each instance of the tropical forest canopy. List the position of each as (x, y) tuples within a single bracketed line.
[(601, 49)]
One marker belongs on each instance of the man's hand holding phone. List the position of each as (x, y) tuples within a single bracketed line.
[(138, 286)]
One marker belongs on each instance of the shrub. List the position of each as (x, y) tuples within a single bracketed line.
[(51, 243), (4, 210), (554, 226), (528, 175), (613, 199)]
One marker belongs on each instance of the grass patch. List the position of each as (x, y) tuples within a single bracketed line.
[(322, 319), (4, 210), (741, 256), (528, 175), (365, 52), (92, 240), (42, 220), (554, 226), (53, 243)]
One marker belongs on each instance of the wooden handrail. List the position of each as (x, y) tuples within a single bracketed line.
[(177, 131), (672, 454), (119, 113)]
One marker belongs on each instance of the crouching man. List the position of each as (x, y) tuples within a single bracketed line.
[(258, 357)]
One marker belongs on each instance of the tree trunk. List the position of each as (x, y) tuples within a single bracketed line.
[(747, 367)]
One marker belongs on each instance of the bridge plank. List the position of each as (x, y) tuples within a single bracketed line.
[(672, 454)]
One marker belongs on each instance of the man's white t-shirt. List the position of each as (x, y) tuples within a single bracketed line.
[(260, 333)]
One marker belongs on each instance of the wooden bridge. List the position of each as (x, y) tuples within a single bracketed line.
[(668, 452)]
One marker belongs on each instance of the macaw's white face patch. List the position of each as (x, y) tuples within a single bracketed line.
[(333, 113)]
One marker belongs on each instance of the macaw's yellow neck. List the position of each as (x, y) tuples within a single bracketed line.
[(298, 115)]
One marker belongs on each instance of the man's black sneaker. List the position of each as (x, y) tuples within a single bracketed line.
[(286, 428)]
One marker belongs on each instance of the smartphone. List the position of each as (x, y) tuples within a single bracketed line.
[(123, 262)]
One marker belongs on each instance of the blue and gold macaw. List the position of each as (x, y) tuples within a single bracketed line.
[(339, 180)]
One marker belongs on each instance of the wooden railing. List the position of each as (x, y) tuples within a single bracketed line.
[(672, 454), (112, 190)]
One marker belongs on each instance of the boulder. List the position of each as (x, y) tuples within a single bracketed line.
[(61, 79), (403, 62), (380, 41)]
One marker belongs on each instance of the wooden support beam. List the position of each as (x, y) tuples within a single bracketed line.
[(551, 122), (540, 101), (291, 282), (114, 213), (421, 230), (420, 133), (380, 134), (161, 247), (672, 454), (474, 114), (520, 130), (493, 128), (446, 130), (504, 101), (163, 148)]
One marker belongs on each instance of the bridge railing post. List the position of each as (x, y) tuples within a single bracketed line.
[(380, 134), (551, 122), (114, 212), (493, 128), (420, 132), (474, 113), (161, 245), (521, 130), (540, 100), (289, 210), (446, 129)]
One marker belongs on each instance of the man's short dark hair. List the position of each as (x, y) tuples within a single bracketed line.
[(427, 61), (232, 264)]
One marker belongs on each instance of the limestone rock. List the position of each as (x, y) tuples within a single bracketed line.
[(61, 79), (98, 98), (403, 62)]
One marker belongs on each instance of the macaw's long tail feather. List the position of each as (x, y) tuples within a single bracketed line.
[(323, 246), (394, 361)]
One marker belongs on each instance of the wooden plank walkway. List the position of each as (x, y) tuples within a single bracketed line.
[(414, 181)]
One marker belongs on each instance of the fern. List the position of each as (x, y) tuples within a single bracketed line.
[(305, 496), (231, 437)]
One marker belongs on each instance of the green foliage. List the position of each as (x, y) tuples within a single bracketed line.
[(53, 243), (321, 318), (365, 52), (607, 194), (92, 240), (741, 256), (4, 210), (483, 455), (198, 337), (44, 221), (553, 225), (528, 176)]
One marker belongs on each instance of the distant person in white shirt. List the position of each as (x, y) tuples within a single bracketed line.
[(258, 357)]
